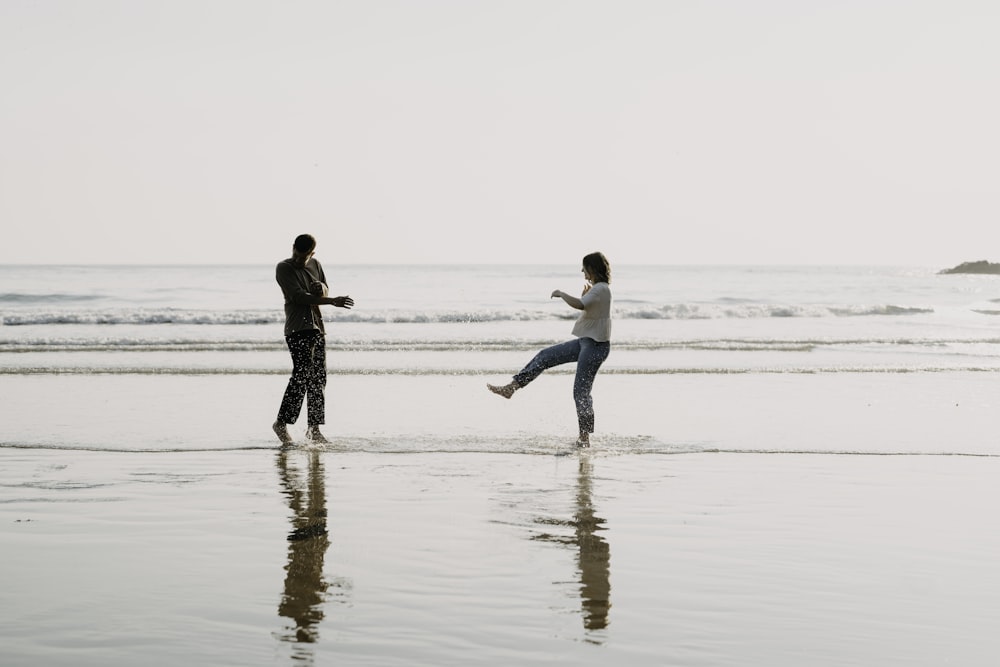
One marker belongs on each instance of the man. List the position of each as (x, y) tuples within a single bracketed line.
[(304, 285)]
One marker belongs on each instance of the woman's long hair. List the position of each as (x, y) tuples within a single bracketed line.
[(598, 266)]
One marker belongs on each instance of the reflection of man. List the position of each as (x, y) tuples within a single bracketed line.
[(305, 587), (595, 555), (304, 286)]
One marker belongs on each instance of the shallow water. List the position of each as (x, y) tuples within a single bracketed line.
[(882, 413)]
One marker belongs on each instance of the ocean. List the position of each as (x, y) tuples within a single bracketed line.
[(791, 465), (470, 320)]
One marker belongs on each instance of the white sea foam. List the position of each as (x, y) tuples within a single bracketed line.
[(681, 311)]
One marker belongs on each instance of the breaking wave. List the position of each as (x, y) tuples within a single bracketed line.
[(683, 311), (276, 343)]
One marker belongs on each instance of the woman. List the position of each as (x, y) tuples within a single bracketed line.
[(589, 350)]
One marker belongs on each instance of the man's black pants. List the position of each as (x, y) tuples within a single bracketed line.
[(308, 381)]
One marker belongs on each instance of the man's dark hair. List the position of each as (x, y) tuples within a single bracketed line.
[(305, 243)]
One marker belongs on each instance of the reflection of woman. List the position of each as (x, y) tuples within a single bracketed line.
[(589, 350), (594, 556)]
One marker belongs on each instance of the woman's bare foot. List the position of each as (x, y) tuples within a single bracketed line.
[(506, 390), (313, 435), (281, 431), (583, 440)]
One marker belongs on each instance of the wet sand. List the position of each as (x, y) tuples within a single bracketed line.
[(869, 542)]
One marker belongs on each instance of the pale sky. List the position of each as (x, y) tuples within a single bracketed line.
[(500, 131)]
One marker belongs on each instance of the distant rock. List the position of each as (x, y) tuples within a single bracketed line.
[(982, 266)]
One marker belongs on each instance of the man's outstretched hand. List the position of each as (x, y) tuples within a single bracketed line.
[(342, 301)]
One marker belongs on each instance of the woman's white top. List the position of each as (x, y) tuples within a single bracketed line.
[(595, 322)]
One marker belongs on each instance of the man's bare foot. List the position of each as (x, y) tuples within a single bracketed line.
[(313, 435), (281, 431), (506, 390)]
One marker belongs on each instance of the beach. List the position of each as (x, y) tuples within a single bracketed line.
[(439, 546), (771, 482)]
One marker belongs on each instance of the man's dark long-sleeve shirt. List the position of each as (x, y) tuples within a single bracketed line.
[(301, 307)]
